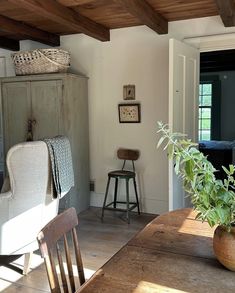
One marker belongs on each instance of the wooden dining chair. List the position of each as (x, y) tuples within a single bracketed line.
[(54, 245)]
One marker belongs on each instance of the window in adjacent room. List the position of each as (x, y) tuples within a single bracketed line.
[(209, 108), (205, 107)]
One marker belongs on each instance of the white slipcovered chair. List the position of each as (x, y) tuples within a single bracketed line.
[(26, 201)]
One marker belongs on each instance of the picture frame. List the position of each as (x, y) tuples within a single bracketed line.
[(129, 113), (129, 92)]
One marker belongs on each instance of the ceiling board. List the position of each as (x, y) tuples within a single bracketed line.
[(110, 15), (107, 13), (70, 3), (184, 9), (56, 12)]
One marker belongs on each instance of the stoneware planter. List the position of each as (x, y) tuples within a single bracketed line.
[(224, 247)]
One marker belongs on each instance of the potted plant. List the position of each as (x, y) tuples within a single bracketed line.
[(213, 199)]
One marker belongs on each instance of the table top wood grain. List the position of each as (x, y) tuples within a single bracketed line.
[(173, 253)]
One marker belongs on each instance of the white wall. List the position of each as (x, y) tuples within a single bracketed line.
[(6, 65), (133, 56)]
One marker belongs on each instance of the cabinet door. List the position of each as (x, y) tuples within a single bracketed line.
[(16, 112), (46, 108)]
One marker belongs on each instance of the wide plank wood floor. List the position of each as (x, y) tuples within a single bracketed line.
[(98, 242)]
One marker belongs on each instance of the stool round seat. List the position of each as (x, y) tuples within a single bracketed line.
[(122, 173)]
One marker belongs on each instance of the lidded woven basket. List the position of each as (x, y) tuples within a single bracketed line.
[(41, 61)]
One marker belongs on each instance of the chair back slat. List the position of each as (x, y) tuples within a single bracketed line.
[(127, 154), (78, 257), (55, 229), (62, 272), (69, 264), (51, 273), (49, 240)]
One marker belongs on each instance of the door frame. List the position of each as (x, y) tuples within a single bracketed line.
[(173, 183), (217, 42), (206, 44)]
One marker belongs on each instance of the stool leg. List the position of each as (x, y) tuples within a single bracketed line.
[(105, 198), (136, 194), (115, 193), (127, 201)]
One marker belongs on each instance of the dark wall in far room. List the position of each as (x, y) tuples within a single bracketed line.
[(227, 122)]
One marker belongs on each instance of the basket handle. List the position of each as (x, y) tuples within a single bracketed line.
[(48, 59)]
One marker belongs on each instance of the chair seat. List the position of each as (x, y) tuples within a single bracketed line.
[(122, 173)]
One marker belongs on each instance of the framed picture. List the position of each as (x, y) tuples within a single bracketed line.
[(129, 92), (129, 113)]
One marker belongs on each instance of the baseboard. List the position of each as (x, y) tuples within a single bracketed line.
[(151, 206)]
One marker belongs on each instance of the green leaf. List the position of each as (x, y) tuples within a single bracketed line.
[(231, 169), (226, 170), (170, 151), (189, 169), (177, 164), (160, 141)]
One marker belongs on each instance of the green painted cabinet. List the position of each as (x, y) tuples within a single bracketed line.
[(53, 104)]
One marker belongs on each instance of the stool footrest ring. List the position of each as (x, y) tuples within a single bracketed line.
[(107, 207)]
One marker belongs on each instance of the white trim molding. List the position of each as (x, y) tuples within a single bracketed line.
[(147, 205), (213, 42)]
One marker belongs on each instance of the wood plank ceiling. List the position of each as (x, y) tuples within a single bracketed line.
[(46, 20)]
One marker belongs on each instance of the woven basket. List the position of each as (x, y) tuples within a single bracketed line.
[(41, 61)]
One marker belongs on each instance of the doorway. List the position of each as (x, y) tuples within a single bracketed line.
[(219, 68), (216, 108)]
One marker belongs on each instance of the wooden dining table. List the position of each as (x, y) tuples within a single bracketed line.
[(173, 253)]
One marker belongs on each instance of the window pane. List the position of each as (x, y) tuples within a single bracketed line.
[(206, 101), (200, 113), (200, 100), (200, 89), (206, 124), (205, 134), (206, 113), (205, 105), (207, 89)]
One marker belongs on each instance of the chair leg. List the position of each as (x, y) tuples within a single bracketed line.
[(27, 262), (136, 194), (105, 198), (115, 193), (127, 201)]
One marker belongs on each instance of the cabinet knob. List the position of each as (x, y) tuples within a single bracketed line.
[(31, 123)]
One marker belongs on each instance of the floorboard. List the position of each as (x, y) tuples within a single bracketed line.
[(98, 241)]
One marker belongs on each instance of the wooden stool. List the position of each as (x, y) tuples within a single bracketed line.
[(123, 154)]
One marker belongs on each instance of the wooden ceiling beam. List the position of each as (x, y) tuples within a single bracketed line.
[(227, 11), (146, 14), (12, 26), (9, 44), (58, 13)]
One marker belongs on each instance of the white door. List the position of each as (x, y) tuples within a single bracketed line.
[(183, 106)]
